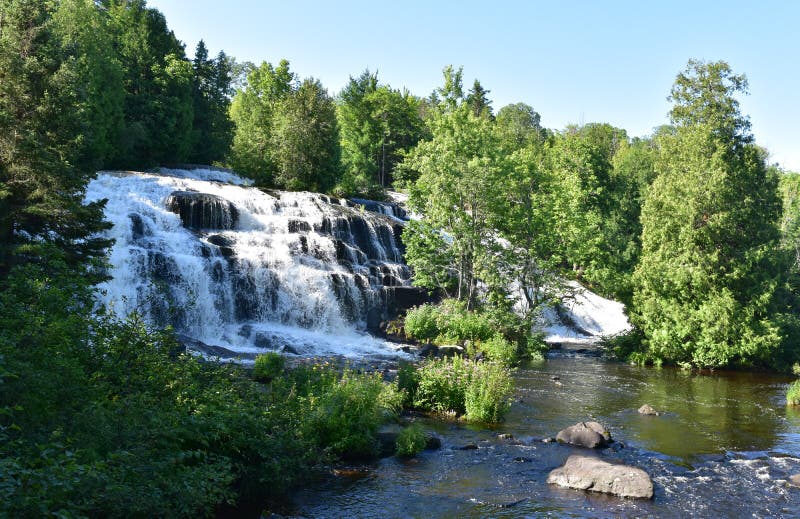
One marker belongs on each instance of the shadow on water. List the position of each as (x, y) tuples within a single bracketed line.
[(725, 444)]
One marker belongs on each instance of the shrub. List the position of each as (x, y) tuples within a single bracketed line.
[(442, 384), (411, 441), (793, 393), (498, 349), (268, 366), (407, 382), (497, 333), (457, 324), (535, 347), (421, 322), (479, 390), (346, 412), (486, 397)]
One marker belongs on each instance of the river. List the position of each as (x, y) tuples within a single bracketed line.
[(723, 446)]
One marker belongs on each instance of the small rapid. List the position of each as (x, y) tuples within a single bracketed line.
[(725, 445), (250, 270)]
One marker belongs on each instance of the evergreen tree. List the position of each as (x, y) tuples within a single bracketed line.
[(158, 82), (212, 127), (477, 98), (706, 283), (44, 148), (378, 124)]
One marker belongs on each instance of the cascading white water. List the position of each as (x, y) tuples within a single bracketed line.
[(245, 269)]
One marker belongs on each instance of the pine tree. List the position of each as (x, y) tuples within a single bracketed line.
[(44, 161), (212, 129)]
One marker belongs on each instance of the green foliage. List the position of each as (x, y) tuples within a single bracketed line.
[(48, 64), (346, 415), (705, 94), (706, 285), (378, 124), (253, 110), (421, 322), (459, 171), (100, 417), (286, 131), (305, 140), (486, 397), (498, 348), (497, 334), (268, 366), (411, 441), (212, 129), (626, 346), (158, 81), (478, 390), (793, 393), (407, 382)]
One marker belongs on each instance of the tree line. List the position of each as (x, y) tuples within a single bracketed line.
[(690, 227), (686, 226)]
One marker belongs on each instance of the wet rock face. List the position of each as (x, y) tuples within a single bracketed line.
[(203, 210), (598, 475), (591, 435)]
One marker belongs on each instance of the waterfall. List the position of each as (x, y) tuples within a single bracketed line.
[(251, 270)]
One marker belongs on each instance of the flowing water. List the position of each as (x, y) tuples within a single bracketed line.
[(244, 270), (723, 446)]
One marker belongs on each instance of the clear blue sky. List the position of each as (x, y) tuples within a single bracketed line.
[(574, 62)]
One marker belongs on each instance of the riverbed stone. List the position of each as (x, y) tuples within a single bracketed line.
[(794, 480), (387, 438), (591, 435), (598, 475), (432, 443), (647, 410)]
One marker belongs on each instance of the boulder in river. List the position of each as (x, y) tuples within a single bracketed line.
[(597, 475), (794, 480), (647, 410), (591, 435)]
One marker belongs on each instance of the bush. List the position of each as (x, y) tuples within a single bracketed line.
[(346, 408), (407, 382), (498, 349), (411, 441), (535, 347), (421, 323), (486, 397), (793, 393), (268, 366), (626, 347), (497, 333), (479, 390)]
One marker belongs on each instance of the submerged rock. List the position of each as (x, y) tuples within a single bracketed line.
[(597, 475), (432, 443), (647, 410), (794, 480), (387, 438), (591, 435)]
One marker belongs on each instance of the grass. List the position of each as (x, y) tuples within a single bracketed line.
[(793, 393), (411, 441)]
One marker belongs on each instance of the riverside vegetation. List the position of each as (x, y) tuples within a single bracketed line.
[(690, 227)]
